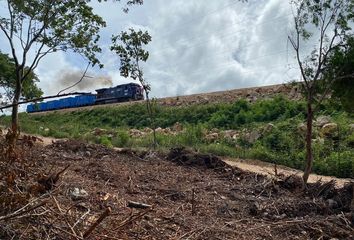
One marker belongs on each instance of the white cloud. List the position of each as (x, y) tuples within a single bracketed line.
[(198, 46)]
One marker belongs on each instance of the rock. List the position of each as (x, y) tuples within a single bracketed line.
[(301, 128), (351, 128), (78, 194), (278, 89), (252, 137), (106, 158), (212, 137), (158, 130), (177, 127), (147, 130), (167, 131), (215, 130), (205, 100), (329, 130), (322, 120), (318, 140), (135, 133), (230, 134), (268, 128), (99, 131)]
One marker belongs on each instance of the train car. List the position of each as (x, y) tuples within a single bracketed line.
[(120, 93)]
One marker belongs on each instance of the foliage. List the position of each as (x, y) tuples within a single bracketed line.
[(8, 82), (41, 27), (122, 139), (326, 24), (342, 65), (283, 144), (135, 115), (104, 140), (129, 47)]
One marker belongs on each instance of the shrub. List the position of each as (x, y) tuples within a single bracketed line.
[(104, 140), (219, 149), (122, 139)]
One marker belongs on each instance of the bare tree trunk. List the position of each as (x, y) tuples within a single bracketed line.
[(14, 114), (309, 156), (16, 99)]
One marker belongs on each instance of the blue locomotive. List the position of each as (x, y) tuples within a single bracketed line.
[(120, 93)]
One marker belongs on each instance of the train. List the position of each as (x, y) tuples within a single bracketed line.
[(119, 93)]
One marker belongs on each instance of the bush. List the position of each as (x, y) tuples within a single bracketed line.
[(122, 139), (104, 140), (219, 149), (261, 153), (339, 164)]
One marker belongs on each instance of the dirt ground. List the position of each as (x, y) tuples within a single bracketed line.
[(251, 165), (268, 169), (182, 195)]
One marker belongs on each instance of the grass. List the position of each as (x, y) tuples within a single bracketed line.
[(282, 145)]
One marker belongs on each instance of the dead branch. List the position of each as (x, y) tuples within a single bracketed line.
[(80, 80), (49, 181), (132, 219), (193, 201), (22, 212), (99, 220), (81, 218), (132, 204)]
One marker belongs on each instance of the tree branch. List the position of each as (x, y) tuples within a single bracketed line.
[(82, 77)]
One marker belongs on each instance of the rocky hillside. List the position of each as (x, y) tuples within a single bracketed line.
[(250, 94)]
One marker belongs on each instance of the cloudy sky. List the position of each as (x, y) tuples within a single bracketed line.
[(197, 46)]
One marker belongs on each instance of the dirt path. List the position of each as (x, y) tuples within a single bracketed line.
[(260, 167)]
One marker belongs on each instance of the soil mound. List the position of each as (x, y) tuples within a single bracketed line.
[(187, 157)]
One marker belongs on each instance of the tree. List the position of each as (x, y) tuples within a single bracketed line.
[(342, 69), (41, 27), (8, 82), (129, 47), (324, 23)]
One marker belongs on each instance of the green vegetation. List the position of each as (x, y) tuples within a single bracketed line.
[(281, 142), (30, 90)]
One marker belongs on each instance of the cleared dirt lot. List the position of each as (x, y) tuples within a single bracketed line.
[(192, 196)]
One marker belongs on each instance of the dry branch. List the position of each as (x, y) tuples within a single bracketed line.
[(22, 211), (132, 204), (49, 181), (99, 220), (132, 219)]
